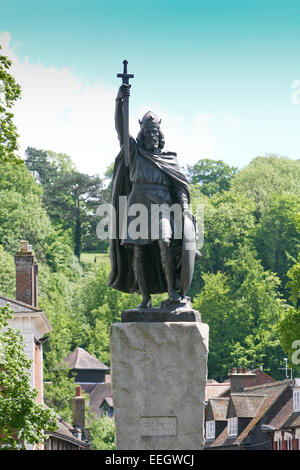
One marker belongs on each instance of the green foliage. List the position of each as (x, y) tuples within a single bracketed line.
[(22, 419), (289, 324), (69, 329), (59, 390), (265, 176), (46, 165), (73, 201), (242, 307), (276, 238), (23, 218), (10, 91), (99, 306), (71, 197), (289, 332), (102, 432), (8, 273), (213, 176), (294, 282), (17, 178), (22, 215), (229, 225)]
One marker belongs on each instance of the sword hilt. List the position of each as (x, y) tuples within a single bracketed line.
[(125, 76)]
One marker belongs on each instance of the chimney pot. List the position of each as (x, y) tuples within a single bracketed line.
[(244, 370), (78, 391), (240, 369), (24, 246), (234, 370)]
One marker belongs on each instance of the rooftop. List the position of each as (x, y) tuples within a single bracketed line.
[(256, 401), (17, 306), (81, 359), (219, 408)]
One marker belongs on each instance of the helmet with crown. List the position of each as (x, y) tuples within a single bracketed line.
[(150, 120)]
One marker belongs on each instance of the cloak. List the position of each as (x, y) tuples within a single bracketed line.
[(121, 276)]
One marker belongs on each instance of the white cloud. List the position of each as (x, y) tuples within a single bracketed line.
[(190, 141), (58, 112)]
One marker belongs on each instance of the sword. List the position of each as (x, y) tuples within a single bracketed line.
[(125, 109)]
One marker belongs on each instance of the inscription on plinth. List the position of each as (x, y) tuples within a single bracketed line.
[(158, 426)]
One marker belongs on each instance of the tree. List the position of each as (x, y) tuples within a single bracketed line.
[(8, 273), (10, 91), (276, 239), (242, 307), (70, 197), (22, 419), (22, 215), (102, 432), (47, 166), (98, 307), (265, 176), (213, 176), (289, 324), (58, 393), (73, 203), (229, 224)]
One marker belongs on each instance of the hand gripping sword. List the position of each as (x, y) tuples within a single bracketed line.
[(125, 109)]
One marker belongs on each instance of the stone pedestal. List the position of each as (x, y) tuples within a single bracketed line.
[(159, 373)]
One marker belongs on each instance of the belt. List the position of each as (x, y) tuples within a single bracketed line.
[(141, 182)]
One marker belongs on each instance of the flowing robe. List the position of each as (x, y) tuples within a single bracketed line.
[(149, 178)]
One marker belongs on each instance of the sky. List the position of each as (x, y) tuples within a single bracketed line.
[(223, 75)]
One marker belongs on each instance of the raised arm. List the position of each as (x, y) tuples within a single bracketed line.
[(124, 90)]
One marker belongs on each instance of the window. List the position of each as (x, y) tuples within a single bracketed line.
[(232, 426), (296, 400), (210, 429), (289, 443)]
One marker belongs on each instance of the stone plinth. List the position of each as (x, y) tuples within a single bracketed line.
[(159, 373), (181, 311)]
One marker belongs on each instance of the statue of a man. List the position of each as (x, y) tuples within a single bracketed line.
[(150, 263)]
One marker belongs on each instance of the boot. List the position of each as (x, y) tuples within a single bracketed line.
[(168, 263), (140, 277)]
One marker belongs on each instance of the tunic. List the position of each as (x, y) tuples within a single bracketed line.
[(153, 189)]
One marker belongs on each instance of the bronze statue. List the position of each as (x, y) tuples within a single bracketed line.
[(147, 176)]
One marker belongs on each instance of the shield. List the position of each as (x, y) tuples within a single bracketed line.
[(189, 249)]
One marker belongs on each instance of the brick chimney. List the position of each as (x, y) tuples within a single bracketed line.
[(26, 275), (241, 379), (78, 405)]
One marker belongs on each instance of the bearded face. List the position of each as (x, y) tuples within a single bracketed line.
[(151, 138)]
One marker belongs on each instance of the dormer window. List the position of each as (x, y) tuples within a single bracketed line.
[(296, 400), (232, 427), (210, 429)]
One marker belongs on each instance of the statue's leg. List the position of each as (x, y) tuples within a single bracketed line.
[(169, 267), (139, 274)]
